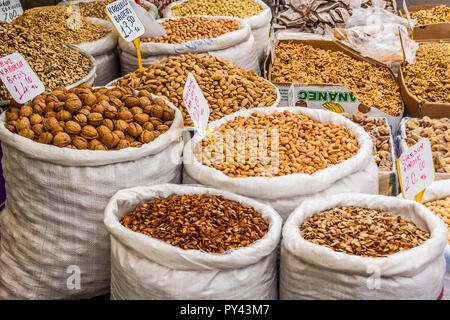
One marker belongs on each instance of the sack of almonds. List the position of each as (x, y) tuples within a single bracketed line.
[(191, 242), (95, 36), (225, 37), (359, 246), (63, 159), (254, 12), (282, 156)]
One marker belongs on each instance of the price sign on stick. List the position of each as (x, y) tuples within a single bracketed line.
[(415, 170), (127, 24), (196, 105), (10, 9), (18, 77)]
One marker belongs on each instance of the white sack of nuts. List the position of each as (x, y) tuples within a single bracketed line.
[(284, 193), (259, 24), (237, 46), (146, 268), (53, 222), (312, 271)]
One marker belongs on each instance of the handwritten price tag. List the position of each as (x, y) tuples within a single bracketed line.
[(415, 169), (10, 9), (18, 77), (196, 104), (125, 20)]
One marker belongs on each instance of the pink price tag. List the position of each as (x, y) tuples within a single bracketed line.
[(415, 169), (20, 80), (196, 104)]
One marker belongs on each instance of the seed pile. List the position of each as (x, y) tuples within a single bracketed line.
[(94, 119), (441, 208), (428, 78), (363, 232), (197, 222), (194, 28), (437, 14), (233, 8), (54, 63), (438, 132), (227, 87), (294, 143), (372, 85), (58, 23)]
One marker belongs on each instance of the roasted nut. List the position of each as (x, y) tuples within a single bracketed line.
[(61, 139), (234, 8)]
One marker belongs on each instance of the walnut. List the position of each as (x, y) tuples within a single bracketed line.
[(61, 139), (132, 102), (80, 142), (45, 137), (89, 132), (72, 127), (73, 104), (121, 125), (134, 129), (27, 133), (26, 111), (122, 144), (141, 118), (146, 136), (94, 118)]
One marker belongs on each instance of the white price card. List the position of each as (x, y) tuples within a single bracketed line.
[(196, 104), (125, 20), (20, 80), (415, 169), (10, 9)]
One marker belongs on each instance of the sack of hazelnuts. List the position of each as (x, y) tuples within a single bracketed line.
[(64, 156)]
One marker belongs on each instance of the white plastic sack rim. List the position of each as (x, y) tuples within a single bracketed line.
[(102, 45), (257, 21), (274, 187), (71, 157), (224, 41), (407, 261), (176, 258)]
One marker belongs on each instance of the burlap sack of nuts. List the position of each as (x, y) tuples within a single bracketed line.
[(53, 222), (312, 271), (259, 23), (284, 193), (146, 268), (237, 46)]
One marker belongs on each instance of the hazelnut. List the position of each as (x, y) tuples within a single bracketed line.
[(94, 118), (61, 139), (80, 142), (89, 132), (45, 137), (72, 127), (134, 129), (26, 111)]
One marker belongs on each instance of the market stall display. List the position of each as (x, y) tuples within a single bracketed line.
[(56, 196), (227, 87), (303, 153), (368, 257), (227, 38), (54, 63), (205, 252), (435, 14), (254, 12)]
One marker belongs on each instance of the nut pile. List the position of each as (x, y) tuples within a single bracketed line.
[(379, 131), (194, 28), (438, 132), (373, 85), (227, 87), (428, 78), (441, 208), (437, 14), (94, 119), (54, 63), (301, 145), (198, 222), (233, 8), (317, 16), (94, 9), (363, 232), (58, 23)]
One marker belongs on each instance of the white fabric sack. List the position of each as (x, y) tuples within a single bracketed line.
[(285, 193), (311, 271), (53, 226), (104, 52), (237, 46), (146, 268), (260, 25)]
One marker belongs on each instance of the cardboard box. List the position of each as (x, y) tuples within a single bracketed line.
[(435, 31), (417, 108), (350, 106)]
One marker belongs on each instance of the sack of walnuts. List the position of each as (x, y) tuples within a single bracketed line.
[(64, 157)]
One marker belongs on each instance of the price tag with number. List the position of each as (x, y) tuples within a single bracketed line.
[(10, 9), (196, 105), (125, 20), (20, 80), (415, 170)]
